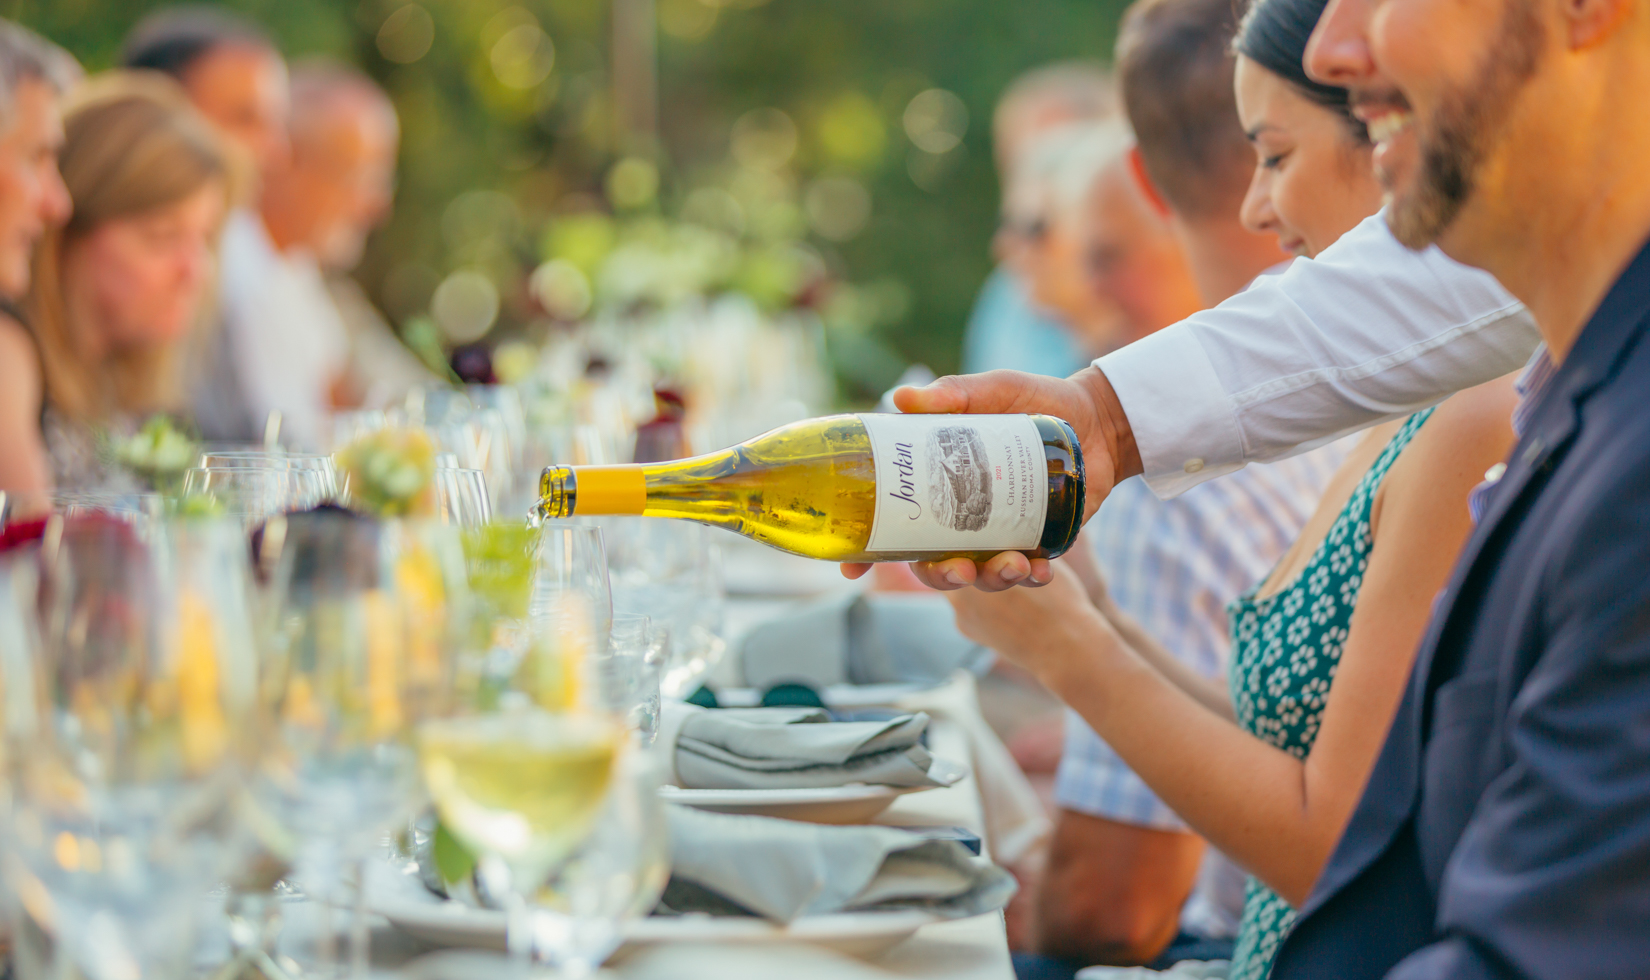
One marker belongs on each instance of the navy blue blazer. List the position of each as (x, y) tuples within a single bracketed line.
[(1505, 829)]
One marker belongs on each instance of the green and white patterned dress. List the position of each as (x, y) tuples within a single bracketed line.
[(1285, 649)]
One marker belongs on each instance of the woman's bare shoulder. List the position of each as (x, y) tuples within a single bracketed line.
[(1469, 432)]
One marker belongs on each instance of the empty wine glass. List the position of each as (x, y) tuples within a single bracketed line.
[(258, 459), (461, 497), (367, 616), (670, 571), (572, 604), (255, 493), (126, 804)]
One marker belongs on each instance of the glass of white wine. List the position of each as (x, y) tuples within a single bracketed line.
[(521, 788)]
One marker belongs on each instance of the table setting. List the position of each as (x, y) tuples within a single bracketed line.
[(325, 714)]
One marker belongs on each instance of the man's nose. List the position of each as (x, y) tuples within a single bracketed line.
[(1338, 52)]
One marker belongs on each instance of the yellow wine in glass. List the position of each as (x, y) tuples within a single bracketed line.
[(522, 787)]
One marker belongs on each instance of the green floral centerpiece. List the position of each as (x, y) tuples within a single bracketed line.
[(158, 454), (391, 473)]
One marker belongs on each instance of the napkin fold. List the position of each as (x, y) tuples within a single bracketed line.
[(783, 869), (861, 638), (792, 748)]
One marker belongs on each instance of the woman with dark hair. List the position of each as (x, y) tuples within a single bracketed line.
[(1315, 177), (1269, 765)]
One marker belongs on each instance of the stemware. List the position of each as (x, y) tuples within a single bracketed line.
[(461, 496), (366, 618), (255, 493), (126, 804), (522, 774), (671, 571)]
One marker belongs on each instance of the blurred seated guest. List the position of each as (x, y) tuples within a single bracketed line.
[(317, 207), (1004, 331), (1052, 185), (1268, 764), (234, 75), (34, 74), (1127, 881), (230, 70), (120, 286)]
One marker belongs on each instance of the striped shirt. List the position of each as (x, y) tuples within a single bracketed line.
[(1174, 565)]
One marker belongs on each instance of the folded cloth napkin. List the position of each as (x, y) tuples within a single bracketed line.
[(1184, 970), (784, 869), (861, 638), (790, 748)]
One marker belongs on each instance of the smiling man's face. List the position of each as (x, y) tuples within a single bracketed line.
[(1438, 82)]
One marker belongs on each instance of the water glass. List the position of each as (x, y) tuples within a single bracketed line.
[(572, 602), (628, 673)]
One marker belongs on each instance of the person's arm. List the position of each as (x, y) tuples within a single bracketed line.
[(1366, 331), (1111, 892), (24, 466), (1548, 878), (1275, 814)]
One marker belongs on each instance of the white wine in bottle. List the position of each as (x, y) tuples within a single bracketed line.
[(861, 487)]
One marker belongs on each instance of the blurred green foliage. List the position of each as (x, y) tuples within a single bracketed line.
[(507, 131)]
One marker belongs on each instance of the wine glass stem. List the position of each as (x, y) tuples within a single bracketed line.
[(360, 931), (518, 934)]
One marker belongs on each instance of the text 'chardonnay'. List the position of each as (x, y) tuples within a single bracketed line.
[(861, 487)]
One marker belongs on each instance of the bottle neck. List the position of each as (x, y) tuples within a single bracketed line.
[(592, 490)]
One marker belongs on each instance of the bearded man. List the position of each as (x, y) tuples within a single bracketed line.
[(1505, 831)]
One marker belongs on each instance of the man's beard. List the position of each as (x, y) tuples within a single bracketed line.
[(1465, 127)]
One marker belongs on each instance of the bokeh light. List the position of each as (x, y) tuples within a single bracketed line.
[(936, 120), (632, 183), (406, 34), (837, 207), (465, 306), (764, 139)]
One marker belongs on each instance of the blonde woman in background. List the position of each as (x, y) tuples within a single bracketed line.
[(118, 289)]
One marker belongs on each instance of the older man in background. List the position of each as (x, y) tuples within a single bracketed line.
[(1006, 330), (293, 346)]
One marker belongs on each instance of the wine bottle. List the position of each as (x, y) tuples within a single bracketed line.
[(860, 487)]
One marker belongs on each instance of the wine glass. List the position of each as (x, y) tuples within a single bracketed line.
[(671, 571), (572, 601), (461, 496), (255, 493), (263, 459), (367, 616), (126, 807), (614, 877)]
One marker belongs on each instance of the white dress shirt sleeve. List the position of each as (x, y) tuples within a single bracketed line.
[(1367, 331)]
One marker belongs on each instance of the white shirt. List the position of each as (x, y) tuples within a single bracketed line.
[(287, 339), (1367, 331), (1174, 565)]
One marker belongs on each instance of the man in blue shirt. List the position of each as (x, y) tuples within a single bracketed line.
[(1005, 330)]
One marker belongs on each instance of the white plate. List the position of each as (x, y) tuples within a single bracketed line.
[(853, 804), (412, 909)]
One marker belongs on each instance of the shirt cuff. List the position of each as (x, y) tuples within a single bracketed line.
[(1183, 421)]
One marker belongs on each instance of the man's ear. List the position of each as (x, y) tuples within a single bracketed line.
[(1137, 168), (1590, 22)]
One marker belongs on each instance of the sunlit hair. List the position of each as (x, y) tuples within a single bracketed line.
[(26, 56), (133, 143)]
